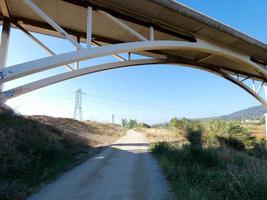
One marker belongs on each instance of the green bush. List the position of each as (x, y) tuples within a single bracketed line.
[(231, 134), (193, 133), (173, 123), (215, 133), (192, 130), (214, 164), (215, 128), (231, 142), (132, 124), (259, 149), (242, 134), (196, 173), (196, 155)]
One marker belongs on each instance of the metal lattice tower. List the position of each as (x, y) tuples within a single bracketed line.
[(78, 105)]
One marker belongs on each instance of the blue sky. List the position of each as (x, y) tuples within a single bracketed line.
[(151, 94)]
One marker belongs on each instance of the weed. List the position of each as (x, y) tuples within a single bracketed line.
[(199, 173)]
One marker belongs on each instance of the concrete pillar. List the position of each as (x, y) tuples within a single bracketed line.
[(4, 44), (265, 91)]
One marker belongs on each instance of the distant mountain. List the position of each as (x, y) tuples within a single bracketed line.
[(249, 113), (254, 112)]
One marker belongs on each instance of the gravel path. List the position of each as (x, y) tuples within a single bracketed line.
[(124, 171)]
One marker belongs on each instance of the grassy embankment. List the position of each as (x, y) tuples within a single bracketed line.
[(34, 150), (213, 160)]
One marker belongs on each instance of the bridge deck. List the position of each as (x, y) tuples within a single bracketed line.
[(171, 20)]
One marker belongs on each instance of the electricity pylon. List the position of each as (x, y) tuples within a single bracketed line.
[(78, 105)]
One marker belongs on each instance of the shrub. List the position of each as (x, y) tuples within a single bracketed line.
[(231, 142), (215, 128), (229, 133), (180, 124), (161, 147), (132, 124), (124, 123), (193, 133), (215, 133), (190, 129), (196, 155), (242, 134), (196, 173), (173, 123), (259, 149)]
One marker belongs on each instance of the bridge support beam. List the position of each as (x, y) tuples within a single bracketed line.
[(37, 41), (51, 22), (89, 27), (4, 45), (265, 115)]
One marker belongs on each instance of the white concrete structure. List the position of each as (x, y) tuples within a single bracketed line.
[(162, 30)]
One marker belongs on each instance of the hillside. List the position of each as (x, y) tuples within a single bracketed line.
[(96, 134), (249, 113), (254, 112), (36, 149)]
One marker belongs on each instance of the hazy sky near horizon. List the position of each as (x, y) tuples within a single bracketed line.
[(151, 94)]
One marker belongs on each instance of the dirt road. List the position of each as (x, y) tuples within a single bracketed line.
[(125, 171)]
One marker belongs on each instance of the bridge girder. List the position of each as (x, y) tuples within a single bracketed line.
[(147, 46)]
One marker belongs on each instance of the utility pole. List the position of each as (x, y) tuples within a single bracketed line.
[(113, 117), (78, 105)]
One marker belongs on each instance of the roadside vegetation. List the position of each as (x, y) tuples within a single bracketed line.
[(133, 124), (257, 128), (34, 150), (211, 160)]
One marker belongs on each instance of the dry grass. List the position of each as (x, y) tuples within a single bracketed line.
[(96, 134), (161, 135), (257, 130)]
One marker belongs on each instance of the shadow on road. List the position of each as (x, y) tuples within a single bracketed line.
[(124, 170)]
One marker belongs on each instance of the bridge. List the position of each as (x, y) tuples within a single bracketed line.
[(162, 31)]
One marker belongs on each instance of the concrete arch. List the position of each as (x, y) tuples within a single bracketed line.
[(28, 68), (15, 92)]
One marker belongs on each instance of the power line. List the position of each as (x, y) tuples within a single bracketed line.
[(128, 102), (105, 98), (64, 95), (102, 97), (118, 103)]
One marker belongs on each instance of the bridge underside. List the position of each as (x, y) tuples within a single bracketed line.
[(163, 32)]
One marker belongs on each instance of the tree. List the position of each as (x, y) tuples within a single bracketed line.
[(124, 123), (132, 123)]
